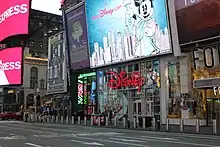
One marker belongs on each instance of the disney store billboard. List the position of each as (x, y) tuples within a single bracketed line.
[(125, 30)]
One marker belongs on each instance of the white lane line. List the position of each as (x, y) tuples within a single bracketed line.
[(169, 141), (112, 141), (35, 145), (88, 143), (25, 129), (127, 140), (150, 137), (66, 130), (184, 135)]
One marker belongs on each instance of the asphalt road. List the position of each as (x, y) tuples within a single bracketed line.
[(19, 134)]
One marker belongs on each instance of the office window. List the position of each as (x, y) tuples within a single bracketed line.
[(34, 77)]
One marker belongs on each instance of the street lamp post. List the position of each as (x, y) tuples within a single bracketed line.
[(35, 102)]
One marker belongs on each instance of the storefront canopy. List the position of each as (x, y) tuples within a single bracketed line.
[(207, 83)]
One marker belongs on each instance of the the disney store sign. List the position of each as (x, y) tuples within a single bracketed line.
[(122, 79)]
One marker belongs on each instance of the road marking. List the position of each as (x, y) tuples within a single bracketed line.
[(185, 135), (35, 145), (11, 138), (150, 137), (112, 141), (24, 129), (99, 134), (127, 140), (88, 143), (169, 141)]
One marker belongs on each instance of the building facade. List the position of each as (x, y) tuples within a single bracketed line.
[(131, 60), (34, 78)]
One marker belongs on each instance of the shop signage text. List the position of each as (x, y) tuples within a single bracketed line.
[(210, 57), (122, 79)]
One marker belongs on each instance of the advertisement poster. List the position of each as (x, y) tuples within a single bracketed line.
[(77, 37), (57, 72), (197, 19), (11, 66), (14, 18), (126, 30)]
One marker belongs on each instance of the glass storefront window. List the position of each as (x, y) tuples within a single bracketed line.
[(174, 89), (117, 89)]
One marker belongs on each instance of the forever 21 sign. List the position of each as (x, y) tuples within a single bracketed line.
[(207, 57)]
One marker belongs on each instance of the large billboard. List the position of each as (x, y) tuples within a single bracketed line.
[(14, 18), (11, 66), (122, 30), (197, 19), (77, 37), (57, 71)]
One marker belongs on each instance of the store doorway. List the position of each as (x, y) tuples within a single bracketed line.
[(143, 109), (213, 107)]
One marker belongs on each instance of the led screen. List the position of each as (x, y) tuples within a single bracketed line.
[(11, 66), (197, 19), (122, 30), (14, 18)]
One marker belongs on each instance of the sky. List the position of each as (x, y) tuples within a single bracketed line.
[(50, 6)]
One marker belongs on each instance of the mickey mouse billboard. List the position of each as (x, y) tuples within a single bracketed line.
[(125, 30)]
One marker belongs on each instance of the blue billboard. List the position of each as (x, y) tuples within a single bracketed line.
[(122, 30)]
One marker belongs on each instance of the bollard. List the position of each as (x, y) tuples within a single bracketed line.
[(52, 119), (214, 126), (144, 123), (128, 123), (158, 124), (67, 120), (48, 119), (91, 121), (197, 125), (154, 123), (31, 118), (79, 121), (61, 120), (135, 125), (124, 122), (73, 121), (85, 120), (99, 121), (57, 119), (39, 118), (106, 121), (167, 124), (181, 125), (115, 121)]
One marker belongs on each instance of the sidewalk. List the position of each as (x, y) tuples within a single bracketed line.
[(205, 130)]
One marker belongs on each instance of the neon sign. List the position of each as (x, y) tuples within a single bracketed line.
[(123, 80)]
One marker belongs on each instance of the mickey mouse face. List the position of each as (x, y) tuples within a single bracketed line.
[(146, 8)]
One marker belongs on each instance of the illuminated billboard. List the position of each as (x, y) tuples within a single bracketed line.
[(125, 30), (14, 18), (11, 66), (197, 19)]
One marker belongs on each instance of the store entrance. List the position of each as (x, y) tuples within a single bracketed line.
[(213, 107)]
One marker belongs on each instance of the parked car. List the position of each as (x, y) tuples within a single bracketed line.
[(19, 115), (8, 115)]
